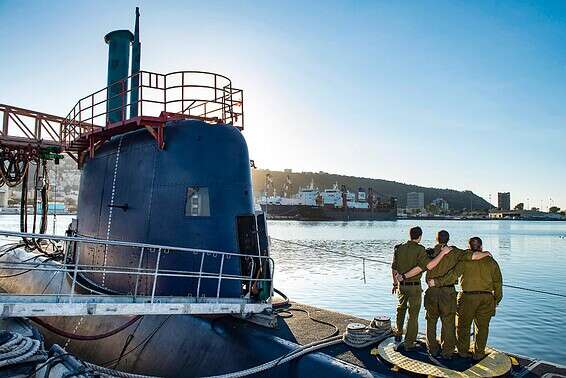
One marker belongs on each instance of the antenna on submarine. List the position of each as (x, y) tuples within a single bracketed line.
[(135, 70)]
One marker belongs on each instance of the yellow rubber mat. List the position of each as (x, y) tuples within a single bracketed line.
[(494, 364)]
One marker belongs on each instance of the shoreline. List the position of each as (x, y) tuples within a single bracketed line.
[(484, 219)]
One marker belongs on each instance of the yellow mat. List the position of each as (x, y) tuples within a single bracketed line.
[(494, 364)]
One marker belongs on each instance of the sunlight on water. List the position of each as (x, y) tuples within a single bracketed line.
[(530, 254)]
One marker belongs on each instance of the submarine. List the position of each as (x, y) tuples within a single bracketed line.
[(168, 250)]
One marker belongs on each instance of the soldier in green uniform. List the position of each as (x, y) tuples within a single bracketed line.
[(409, 291), (482, 291), (440, 302)]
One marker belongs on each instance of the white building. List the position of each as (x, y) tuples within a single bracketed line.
[(415, 201), (440, 204)]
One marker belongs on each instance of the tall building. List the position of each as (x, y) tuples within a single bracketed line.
[(441, 204), (504, 201), (415, 200)]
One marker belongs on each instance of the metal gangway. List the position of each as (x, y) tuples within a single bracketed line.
[(66, 295)]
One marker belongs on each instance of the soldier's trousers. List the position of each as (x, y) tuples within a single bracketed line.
[(476, 308), (440, 303), (410, 299)]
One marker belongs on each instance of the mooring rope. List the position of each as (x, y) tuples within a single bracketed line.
[(364, 259)]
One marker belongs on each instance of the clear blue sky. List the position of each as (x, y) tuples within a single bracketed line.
[(465, 95)]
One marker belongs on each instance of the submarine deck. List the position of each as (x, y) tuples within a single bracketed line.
[(300, 329)]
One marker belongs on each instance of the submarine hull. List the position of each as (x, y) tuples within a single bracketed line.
[(196, 193), (170, 346), (192, 194)]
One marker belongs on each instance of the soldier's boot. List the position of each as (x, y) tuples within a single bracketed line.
[(448, 335), (401, 312), (431, 306), (447, 308), (431, 340), (414, 306), (481, 324), (465, 316)]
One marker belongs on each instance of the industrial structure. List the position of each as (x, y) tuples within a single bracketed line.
[(166, 229), (121, 129)]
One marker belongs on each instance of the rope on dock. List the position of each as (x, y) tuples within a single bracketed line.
[(115, 373), (16, 348), (356, 335), (364, 259)]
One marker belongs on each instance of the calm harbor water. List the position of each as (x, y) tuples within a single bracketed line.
[(531, 254)]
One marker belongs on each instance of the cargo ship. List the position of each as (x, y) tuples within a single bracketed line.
[(166, 272), (335, 204)]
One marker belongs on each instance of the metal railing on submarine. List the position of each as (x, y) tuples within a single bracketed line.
[(143, 100), (65, 295), (154, 98)]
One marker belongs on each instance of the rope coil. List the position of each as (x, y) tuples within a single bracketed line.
[(17, 349)]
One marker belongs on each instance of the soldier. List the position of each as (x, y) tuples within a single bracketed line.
[(409, 291), (481, 292), (440, 302)]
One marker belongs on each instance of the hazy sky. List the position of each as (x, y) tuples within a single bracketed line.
[(465, 95)]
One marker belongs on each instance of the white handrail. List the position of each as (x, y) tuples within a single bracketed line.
[(73, 269)]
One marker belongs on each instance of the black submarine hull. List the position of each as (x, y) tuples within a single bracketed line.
[(192, 194), (172, 346)]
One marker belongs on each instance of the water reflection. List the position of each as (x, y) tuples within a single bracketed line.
[(525, 323)]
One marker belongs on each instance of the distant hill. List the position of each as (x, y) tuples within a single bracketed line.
[(385, 189)]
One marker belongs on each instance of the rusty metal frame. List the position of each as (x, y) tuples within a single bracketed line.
[(87, 125)]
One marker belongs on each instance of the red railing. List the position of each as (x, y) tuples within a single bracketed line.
[(24, 126), (191, 94)]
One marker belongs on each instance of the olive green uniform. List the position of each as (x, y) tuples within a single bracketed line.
[(407, 256), (440, 302), (481, 292)]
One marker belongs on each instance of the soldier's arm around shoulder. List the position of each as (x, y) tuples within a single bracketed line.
[(497, 282), (451, 276), (422, 259), (463, 254), (468, 255)]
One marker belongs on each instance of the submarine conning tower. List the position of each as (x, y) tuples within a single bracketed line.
[(175, 172)]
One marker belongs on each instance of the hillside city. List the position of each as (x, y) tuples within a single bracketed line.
[(413, 201)]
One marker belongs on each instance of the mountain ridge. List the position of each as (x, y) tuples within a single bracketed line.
[(457, 200)]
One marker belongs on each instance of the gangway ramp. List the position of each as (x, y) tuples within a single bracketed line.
[(67, 295)]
